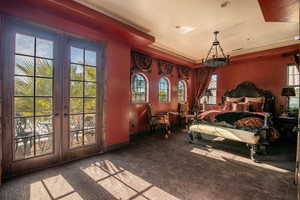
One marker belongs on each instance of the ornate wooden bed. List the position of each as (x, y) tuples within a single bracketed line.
[(254, 138), (248, 89)]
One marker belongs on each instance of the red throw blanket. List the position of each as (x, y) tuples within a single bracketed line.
[(211, 115)]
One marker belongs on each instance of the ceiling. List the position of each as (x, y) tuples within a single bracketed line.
[(185, 28)]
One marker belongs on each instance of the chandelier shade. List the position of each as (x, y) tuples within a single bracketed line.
[(216, 56)]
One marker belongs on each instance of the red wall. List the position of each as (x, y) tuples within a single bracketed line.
[(268, 73), (117, 92), (121, 117), (117, 67), (138, 120)]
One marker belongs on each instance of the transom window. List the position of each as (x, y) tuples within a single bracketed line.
[(212, 89), (164, 90), (139, 88), (293, 81), (181, 91), (33, 96)]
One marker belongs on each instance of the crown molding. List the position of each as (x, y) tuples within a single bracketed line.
[(40, 10)]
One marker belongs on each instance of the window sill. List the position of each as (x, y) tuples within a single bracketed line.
[(164, 102), (140, 103)]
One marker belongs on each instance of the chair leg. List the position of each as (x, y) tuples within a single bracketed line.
[(186, 124), (151, 128), (169, 130), (253, 151), (165, 130)]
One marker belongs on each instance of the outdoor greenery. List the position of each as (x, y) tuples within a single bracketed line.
[(34, 92), (163, 93), (24, 87)]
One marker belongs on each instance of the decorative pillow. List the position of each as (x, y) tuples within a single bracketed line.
[(256, 99), (245, 107), (252, 122), (235, 99), (255, 106), (227, 106), (240, 107)]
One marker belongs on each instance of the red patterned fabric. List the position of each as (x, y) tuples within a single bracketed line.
[(255, 106), (252, 122), (210, 116), (274, 134), (246, 107), (227, 106)]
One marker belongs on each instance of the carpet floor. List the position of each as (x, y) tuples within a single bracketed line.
[(154, 168)]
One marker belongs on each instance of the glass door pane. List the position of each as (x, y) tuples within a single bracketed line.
[(82, 98), (33, 96)]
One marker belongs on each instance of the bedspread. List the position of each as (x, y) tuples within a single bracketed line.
[(240, 120)]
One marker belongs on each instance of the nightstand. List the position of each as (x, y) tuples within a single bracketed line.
[(187, 119), (286, 127)]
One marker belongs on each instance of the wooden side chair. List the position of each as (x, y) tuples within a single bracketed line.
[(184, 114), (159, 121)]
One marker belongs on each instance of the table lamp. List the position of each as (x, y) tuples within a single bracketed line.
[(288, 92)]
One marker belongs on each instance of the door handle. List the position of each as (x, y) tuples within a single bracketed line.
[(56, 114), (66, 114)]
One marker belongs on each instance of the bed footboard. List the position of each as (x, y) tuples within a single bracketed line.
[(253, 140)]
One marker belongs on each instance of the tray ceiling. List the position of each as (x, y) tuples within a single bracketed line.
[(185, 27)]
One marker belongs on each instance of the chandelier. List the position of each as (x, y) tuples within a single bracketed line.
[(216, 56)]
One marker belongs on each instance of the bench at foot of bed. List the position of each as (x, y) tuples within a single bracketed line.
[(251, 139)]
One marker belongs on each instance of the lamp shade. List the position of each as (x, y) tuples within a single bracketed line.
[(288, 92)]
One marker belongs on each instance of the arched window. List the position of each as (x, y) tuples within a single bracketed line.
[(164, 90), (181, 91), (139, 88)]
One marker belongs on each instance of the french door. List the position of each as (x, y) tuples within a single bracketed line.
[(52, 98), (82, 100)]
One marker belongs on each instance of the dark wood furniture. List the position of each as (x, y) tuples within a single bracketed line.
[(159, 121), (185, 117), (246, 89), (286, 127)]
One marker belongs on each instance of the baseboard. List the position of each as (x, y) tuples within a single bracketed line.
[(141, 133), (114, 147)]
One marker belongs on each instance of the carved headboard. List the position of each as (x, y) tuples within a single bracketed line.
[(248, 89)]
